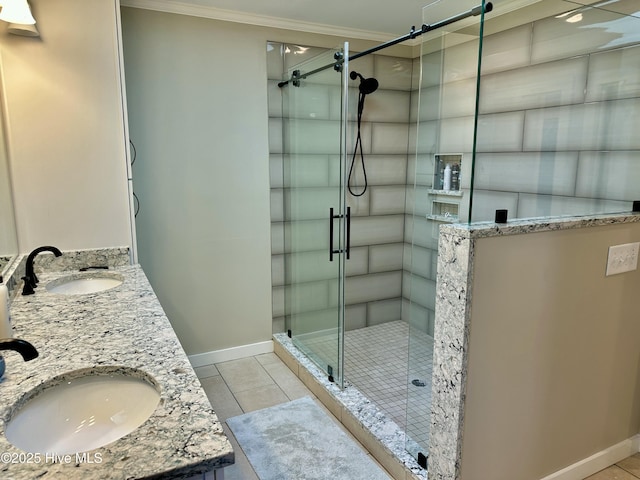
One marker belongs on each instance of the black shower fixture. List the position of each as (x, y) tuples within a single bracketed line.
[(413, 33), (367, 85)]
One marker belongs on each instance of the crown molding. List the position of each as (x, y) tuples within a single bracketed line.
[(182, 8)]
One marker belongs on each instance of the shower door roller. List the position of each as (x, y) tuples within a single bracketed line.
[(332, 217)]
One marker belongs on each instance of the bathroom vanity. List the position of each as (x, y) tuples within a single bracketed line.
[(122, 329)]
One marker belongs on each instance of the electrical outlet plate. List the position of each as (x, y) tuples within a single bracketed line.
[(622, 258)]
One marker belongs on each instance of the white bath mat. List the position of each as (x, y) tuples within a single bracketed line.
[(298, 441)]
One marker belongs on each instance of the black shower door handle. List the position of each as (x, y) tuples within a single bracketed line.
[(332, 217), (348, 231)]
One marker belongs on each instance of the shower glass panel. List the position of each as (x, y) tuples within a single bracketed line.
[(559, 110), (445, 138), (316, 220)]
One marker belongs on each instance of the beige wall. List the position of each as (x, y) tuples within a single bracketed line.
[(197, 108), (65, 127), (198, 113), (554, 353)]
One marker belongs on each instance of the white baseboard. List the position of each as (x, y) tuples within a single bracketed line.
[(598, 461), (234, 353)]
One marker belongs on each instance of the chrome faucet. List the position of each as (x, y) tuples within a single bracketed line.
[(23, 347), (30, 278)]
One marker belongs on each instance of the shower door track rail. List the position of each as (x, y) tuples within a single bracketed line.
[(413, 33)]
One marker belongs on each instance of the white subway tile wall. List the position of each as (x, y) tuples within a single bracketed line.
[(387, 200), (548, 205), (384, 311), (456, 135), (612, 175), (275, 135), (611, 125), (385, 106), (486, 202), (614, 75), (277, 205), (420, 231), (598, 29), (276, 177), (384, 169), (358, 263), (385, 258), (393, 73), (547, 173), (500, 132), (506, 50), (558, 119), (373, 287), (420, 290), (559, 116), (389, 138), (420, 261), (278, 301), (378, 229), (277, 238), (355, 317), (544, 85), (375, 268)]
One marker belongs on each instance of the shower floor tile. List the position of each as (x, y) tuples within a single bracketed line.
[(381, 361)]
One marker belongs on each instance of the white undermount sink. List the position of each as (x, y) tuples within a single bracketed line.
[(83, 410), (83, 283)]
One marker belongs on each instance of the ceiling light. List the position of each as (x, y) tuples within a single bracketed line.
[(575, 19), (23, 29), (566, 14), (17, 11)]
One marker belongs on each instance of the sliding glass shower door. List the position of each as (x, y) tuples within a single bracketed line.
[(316, 218)]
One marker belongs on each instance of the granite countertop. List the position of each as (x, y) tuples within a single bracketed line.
[(542, 224), (121, 327)]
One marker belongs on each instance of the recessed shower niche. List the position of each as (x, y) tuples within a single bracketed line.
[(445, 198)]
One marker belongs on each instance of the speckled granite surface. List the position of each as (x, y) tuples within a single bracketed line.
[(70, 260), (451, 335), (517, 227), (453, 321), (124, 326)]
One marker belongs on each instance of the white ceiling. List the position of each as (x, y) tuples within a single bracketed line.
[(380, 20), (393, 17), (364, 19)]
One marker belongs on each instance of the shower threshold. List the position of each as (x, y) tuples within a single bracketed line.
[(378, 433)]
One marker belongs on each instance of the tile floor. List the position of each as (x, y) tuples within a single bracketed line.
[(263, 381), (627, 469), (249, 384), (381, 361)]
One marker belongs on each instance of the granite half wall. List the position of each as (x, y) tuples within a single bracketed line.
[(457, 263)]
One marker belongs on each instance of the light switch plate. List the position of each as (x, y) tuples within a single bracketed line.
[(623, 258)]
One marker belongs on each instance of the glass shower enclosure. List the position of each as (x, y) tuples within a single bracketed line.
[(317, 136), (448, 88), (317, 237), (533, 112), (530, 109)]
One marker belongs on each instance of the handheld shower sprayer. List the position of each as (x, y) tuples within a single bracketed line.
[(366, 87)]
